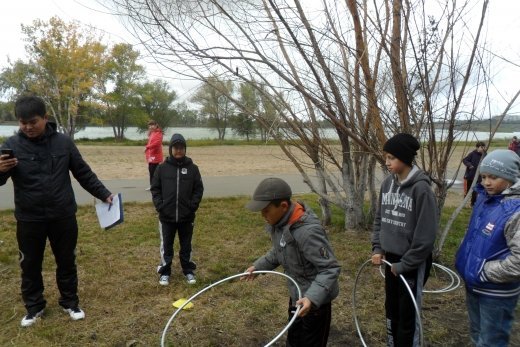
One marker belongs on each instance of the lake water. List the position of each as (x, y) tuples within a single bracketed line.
[(132, 133)]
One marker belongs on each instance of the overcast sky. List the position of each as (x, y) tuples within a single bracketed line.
[(86, 12), (503, 34)]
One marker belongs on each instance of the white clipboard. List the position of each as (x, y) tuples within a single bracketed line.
[(110, 215)]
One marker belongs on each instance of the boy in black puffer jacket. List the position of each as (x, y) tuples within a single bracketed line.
[(176, 192), (45, 207)]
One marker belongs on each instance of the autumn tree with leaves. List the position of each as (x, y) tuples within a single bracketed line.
[(63, 65)]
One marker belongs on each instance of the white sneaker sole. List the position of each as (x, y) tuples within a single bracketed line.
[(73, 315), (28, 322)]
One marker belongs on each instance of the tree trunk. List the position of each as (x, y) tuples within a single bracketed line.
[(372, 190), (326, 214)]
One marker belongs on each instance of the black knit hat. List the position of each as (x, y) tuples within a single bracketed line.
[(402, 146)]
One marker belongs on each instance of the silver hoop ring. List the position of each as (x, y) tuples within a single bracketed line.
[(454, 279), (356, 320), (295, 315)]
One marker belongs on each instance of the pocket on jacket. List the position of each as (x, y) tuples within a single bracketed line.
[(58, 160)]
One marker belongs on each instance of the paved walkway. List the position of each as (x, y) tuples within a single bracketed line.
[(214, 187), (134, 189)]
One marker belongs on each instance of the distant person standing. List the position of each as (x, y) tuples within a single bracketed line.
[(176, 193), (40, 165), (153, 150), (514, 145), (471, 162)]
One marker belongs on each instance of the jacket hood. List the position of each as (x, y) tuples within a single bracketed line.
[(513, 190), (414, 176), (50, 128), (176, 139), (52, 125)]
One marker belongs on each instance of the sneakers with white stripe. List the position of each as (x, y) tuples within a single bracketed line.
[(75, 313), (31, 318), (190, 278), (164, 280)]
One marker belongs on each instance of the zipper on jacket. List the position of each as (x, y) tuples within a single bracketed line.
[(177, 197)]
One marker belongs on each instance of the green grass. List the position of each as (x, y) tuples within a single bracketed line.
[(125, 305)]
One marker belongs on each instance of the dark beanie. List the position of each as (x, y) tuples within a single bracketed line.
[(402, 146)]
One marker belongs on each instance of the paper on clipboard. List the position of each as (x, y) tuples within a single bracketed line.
[(110, 215)]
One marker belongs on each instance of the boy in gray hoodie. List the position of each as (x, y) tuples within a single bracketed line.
[(404, 234)]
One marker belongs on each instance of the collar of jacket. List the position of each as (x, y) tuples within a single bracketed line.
[(512, 192), (294, 214), (50, 129), (184, 162)]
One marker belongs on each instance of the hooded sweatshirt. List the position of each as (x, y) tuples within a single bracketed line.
[(406, 220), (488, 258)]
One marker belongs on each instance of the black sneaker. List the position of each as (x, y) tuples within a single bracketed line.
[(30, 318)]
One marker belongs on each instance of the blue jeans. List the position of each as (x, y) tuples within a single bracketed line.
[(490, 319)]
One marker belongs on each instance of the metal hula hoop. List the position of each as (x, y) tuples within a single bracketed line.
[(356, 321), (163, 337), (454, 279)]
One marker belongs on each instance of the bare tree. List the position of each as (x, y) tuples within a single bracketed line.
[(366, 68)]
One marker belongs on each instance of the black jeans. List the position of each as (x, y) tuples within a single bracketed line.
[(467, 183), (311, 330), (402, 327), (151, 170), (167, 233), (63, 237)]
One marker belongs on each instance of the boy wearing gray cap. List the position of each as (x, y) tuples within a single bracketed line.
[(300, 245), (488, 258)]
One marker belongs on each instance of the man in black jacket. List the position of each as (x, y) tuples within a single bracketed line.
[(176, 192), (45, 206)]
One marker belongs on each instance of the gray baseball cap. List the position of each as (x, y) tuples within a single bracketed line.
[(269, 189)]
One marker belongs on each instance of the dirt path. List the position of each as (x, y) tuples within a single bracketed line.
[(113, 162)]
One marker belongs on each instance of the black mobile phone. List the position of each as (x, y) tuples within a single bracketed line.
[(9, 152)]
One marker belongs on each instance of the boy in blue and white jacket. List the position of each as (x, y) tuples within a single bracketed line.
[(489, 257)]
